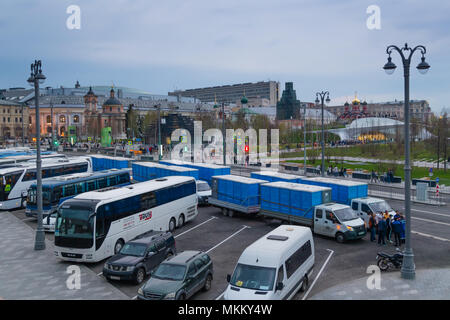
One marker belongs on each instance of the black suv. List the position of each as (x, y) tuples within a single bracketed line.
[(179, 277), (138, 257)]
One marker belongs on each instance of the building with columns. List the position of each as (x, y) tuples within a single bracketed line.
[(13, 117)]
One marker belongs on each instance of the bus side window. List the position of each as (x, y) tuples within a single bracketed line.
[(111, 181), (69, 190), (90, 186), (80, 187), (102, 183), (124, 178), (148, 200), (56, 194)]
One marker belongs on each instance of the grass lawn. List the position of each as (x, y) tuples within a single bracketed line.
[(417, 172), (390, 151)]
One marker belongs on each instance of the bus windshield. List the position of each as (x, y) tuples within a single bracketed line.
[(74, 227), (253, 277)]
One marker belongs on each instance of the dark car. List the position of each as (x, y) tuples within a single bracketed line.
[(179, 277), (140, 256)]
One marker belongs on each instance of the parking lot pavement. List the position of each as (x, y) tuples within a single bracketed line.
[(225, 239), (29, 274)]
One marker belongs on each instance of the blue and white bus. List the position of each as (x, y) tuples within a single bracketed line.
[(95, 225), (15, 180), (56, 190)]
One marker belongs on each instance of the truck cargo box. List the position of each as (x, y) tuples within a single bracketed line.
[(293, 198), (237, 190), (343, 191), (205, 170)]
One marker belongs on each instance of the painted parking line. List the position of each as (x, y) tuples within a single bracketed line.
[(28, 219), (318, 275), (432, 221), (100, 274), (243, 228), (134, 298), (435, 213), (429, 236), (220, 297), (195, 227)]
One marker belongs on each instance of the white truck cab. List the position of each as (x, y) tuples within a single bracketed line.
[(363, 205), (338, 221)]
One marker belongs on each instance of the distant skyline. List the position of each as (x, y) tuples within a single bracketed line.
[(160, 46)]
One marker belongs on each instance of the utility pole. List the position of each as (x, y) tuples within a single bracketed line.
[(223, 134)]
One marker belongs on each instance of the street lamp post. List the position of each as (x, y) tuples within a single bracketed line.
[(408, 267), (327, 100), (35, 79), (304, 139), (158, 106), (23, 135), (223, 134)]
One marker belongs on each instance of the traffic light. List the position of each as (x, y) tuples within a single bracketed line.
[(246, 148), (56, 142)]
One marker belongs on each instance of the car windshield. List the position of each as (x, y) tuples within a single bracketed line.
[(74, 223), (345, 214), (134, 249), (253, 277), (203, 187), (381, 206), (169, 271)]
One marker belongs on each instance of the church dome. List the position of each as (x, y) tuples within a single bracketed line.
[(112, 101)]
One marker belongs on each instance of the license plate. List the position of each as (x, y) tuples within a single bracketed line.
[(361, 233), (115, 278)]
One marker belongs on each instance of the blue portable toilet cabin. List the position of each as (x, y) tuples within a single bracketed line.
[(238, 190), (293, 198), (205, 170), (343, 191), (273, 176)]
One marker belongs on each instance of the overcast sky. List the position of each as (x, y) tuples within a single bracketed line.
[(159, 46)]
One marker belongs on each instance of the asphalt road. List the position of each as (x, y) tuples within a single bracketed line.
[(225, 238)]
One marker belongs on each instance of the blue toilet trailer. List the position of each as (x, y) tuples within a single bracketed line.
[(205, 170), (273, 176), (292, 201), (235, 193), (342, 191)]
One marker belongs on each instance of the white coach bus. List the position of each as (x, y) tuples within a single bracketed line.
[(16, 179), (95, 225)]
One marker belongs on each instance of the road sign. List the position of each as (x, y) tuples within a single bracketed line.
[(437, 180)]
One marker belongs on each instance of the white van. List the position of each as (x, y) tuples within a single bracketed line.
[(362, 206), (274, 267)]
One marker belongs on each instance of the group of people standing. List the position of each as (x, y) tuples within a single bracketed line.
[(387, 228)]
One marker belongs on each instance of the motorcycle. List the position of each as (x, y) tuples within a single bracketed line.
[(386, 261)]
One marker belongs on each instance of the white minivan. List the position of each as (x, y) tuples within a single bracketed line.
[(274, 267)]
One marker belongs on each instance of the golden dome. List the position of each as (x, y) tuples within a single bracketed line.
[(356, 100)]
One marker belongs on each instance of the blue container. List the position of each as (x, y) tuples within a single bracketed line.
[(239, 190)]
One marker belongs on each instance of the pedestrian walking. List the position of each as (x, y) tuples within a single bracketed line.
[(382, 232)]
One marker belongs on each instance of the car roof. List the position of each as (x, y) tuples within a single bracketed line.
[(150, 237), (184, 257)]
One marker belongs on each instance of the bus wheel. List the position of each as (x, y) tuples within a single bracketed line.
[(172, 224), (24, 203), (181, 221), (118, 246)]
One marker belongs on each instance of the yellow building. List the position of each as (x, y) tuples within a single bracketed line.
[(12, 121)]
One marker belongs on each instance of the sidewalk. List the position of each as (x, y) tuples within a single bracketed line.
[(38, 275), (431, 284)]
